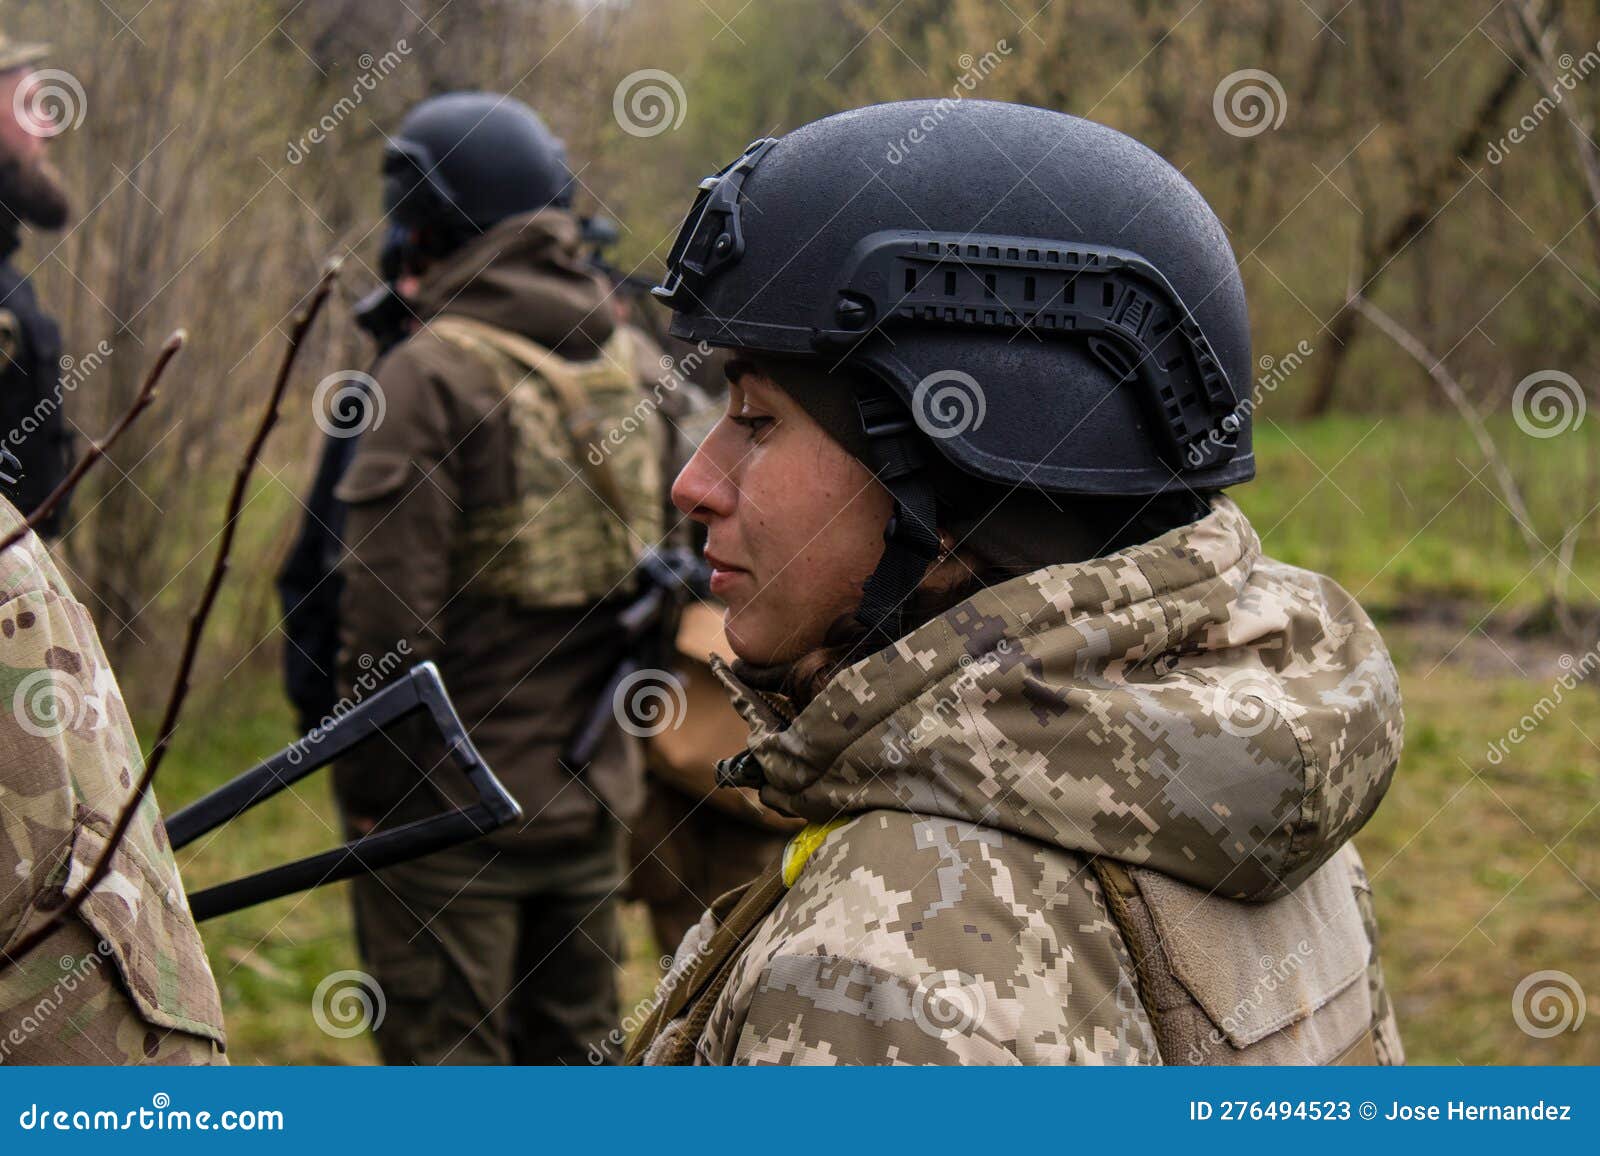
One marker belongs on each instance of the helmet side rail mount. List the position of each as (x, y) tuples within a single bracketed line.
[(712, 237), (421, 690), (1119, 304), (1125, 311)]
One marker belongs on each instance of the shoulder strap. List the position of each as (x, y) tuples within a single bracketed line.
[(563, 377), (700, 985)]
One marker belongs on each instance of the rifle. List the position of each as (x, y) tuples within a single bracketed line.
[(670, 577), (420, 690)]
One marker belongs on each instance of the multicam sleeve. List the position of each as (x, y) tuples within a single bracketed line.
[(70, 1003), (125, 980)]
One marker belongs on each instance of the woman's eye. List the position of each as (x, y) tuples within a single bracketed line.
[(754, 425)]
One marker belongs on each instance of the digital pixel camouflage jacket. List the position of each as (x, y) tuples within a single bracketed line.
[(1097, 814)]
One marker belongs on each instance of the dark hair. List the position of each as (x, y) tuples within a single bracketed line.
[(1112, 523)]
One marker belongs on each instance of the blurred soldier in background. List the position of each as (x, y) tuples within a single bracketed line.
[(35, 448), (482, 535), (693, 841)]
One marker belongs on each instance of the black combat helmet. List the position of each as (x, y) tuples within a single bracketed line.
[(461, 163), (1041, 300)]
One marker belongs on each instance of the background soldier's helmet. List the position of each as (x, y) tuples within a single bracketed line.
[(461, 163), (1057, 306)]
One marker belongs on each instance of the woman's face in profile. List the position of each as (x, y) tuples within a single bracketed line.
[(794, 522)]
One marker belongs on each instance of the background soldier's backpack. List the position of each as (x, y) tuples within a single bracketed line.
[(549, 548), (705, 727)]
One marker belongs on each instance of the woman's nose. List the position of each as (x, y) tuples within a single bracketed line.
[(703, 490)]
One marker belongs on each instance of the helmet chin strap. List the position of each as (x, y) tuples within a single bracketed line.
[(911, 539)]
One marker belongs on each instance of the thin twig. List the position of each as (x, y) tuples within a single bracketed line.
[(97, 450), (197, 624), (1480, 433), (1540, 33)]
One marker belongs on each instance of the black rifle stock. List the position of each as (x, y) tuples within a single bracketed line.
[(420, 690)]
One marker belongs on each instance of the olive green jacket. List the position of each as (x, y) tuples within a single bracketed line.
[(476, 538)]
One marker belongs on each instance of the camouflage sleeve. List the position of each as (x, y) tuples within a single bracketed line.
[(126, 980), (68, 1003), (823, 1010), (402, 502), (910, 940)]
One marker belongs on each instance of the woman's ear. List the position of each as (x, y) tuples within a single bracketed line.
[(948, 568)]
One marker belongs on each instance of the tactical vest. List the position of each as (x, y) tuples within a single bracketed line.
[(1293, 980), (588, 472), (1290, 981)]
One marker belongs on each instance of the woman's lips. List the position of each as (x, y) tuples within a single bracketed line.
[(724, 575), (722, 581)]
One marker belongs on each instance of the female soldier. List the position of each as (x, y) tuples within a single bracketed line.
[(1080, 764)]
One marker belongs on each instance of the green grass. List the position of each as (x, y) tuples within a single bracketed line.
[(1484, 874), (1403, 512)]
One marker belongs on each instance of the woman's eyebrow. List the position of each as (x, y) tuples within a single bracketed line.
[(762, 390)]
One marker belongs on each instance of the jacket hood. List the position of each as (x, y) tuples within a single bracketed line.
[(1186, 705), (527, 275)]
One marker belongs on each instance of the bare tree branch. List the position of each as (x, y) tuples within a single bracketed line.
[(197, 624), (97, 450), (1429, 199), (1457, 397), (1539, 35)]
